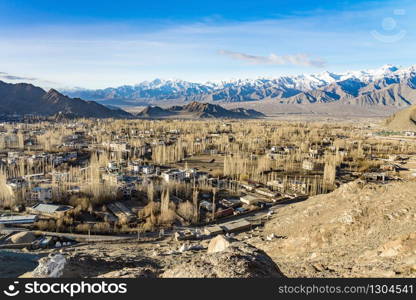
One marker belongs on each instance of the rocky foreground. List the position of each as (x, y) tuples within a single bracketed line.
[(219, 258), (359, 230), (356, 231)]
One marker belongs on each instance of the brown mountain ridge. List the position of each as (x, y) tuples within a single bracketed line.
[(24, 99), (199, 110)]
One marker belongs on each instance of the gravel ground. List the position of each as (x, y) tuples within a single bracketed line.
[(359, 230)]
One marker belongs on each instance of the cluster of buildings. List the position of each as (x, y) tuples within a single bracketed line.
[(122, 158)]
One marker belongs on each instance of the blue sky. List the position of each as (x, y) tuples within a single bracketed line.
[(97, 44)]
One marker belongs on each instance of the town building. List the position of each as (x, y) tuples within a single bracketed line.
[(41, 194), (173, 175)]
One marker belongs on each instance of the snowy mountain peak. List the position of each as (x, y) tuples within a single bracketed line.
[(326, 84), (389, 67), (384, 70)]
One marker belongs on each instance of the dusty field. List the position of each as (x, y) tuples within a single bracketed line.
[(204, 163)]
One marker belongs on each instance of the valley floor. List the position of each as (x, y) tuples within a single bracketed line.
[(275, 110)]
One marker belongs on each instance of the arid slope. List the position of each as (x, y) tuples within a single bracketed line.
[(356, 231), (403, 120)]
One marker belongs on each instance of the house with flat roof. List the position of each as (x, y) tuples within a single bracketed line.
[(122, 212), (14, 220), (250, 199), (213, 230), (173, 175), (238, 225), (51, 210)]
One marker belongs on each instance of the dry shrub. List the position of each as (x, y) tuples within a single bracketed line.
[(82, 203), (45, 225), (68, 219), (367, 165), (42, 225), (60, 224), (84, 228), (217, 173), (102, 227), (168, 217), (125, 229), (152, 208), (148, 225), (186, 210)]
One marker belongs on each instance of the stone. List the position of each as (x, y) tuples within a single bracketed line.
[(239, 260), (183, 248), (218, 244), (186, 247), (270, 237), (389, 252), (318, 267), (50, 267)]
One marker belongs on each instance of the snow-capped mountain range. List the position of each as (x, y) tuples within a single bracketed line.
[(388, 85)]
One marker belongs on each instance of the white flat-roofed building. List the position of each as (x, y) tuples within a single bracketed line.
[(173, 175), (250, 199), (10, 220), (53, 210)]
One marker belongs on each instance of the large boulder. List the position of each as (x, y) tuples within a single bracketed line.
[(218, 244), (50, 267), (88, 263)]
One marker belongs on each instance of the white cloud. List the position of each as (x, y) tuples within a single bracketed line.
[(274, 59), (7, 76)]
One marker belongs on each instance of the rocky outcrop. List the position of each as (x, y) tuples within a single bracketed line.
[(88, 263), (218, 244), (129, 259), (359, 230), (238, 260), (50, 267)]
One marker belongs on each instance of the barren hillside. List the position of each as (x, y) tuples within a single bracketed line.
[(403, 120), (355, 231)]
